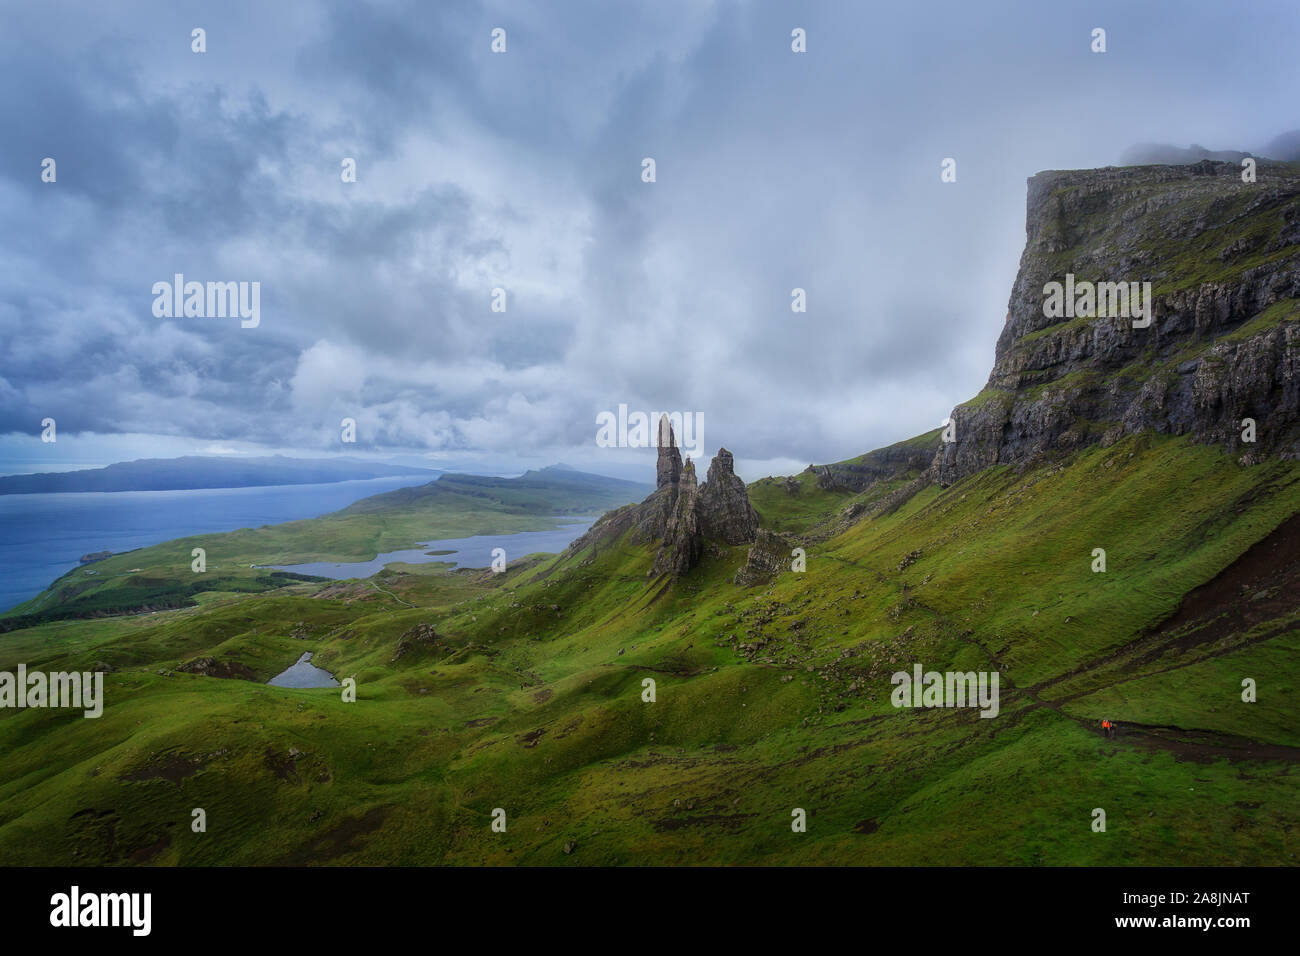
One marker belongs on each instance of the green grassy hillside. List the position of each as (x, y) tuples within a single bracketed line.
[(528, 694)]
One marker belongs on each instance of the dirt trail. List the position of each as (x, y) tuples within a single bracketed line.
[(1257, 588), (390, 594), (1200, 746)]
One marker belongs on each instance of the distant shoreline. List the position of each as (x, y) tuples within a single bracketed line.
[(206, 473), (257, 484), (47, 533)]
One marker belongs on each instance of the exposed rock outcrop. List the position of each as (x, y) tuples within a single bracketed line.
[(681, 515), (668, 470), (420, 637), (212, 667), (724, 508), (769, 556), (1222, 257), (905, 458), (1223, 260), (683, 542)]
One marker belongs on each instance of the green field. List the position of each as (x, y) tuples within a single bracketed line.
[(771, 698)]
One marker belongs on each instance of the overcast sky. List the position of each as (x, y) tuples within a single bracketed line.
[(523, 170)]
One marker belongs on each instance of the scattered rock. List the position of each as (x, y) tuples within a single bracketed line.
[(422, 636), (211, 667), (768, 557)]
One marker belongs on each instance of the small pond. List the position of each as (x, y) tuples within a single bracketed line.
[(304, 674)]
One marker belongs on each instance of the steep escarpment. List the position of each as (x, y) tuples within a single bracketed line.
[(913, 456), (1222, 257)]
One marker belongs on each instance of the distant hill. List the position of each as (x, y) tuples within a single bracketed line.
[(1163, 154), (555, 490), (197, 471), (1285, 148), (454, 506)]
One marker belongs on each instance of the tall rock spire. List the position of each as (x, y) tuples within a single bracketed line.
[(685, 519), (683, 544), (725, 511), (668, 471)]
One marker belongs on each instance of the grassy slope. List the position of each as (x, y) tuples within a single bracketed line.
[(790, 510), (768, 699)]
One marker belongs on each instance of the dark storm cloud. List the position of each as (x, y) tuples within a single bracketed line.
[(522, 171)]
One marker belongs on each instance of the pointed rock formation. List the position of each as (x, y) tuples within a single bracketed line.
[(668, 471), (683, 543), (725, 511), (718, 512), (683, 516)]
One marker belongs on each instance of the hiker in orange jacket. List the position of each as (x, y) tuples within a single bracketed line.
[(1105, 726)]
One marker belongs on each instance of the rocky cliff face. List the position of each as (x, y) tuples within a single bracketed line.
[(682, 545), (769, 556), (913, 456), (681, 515), (1223, 345), (668, 470), (725, 512)]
